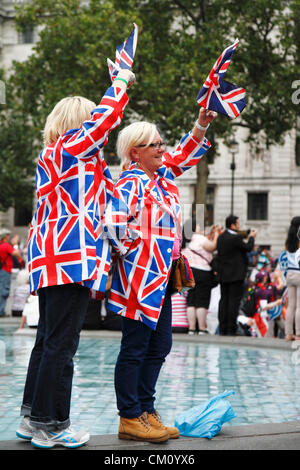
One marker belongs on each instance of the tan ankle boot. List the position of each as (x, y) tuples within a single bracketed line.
[(156, 423), (139, 429)]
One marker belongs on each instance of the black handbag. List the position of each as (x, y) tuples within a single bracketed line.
[(214, 264)]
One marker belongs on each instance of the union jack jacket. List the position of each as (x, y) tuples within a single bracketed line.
[(73, 185), (140, 222)]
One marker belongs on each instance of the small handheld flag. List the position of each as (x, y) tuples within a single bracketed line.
[(218, 95), (274, 312), (124, 54)]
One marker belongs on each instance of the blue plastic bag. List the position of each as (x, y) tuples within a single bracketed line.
[(207, 419)]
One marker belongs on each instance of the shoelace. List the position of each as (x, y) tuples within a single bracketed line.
[(157, 417), (144, 420)]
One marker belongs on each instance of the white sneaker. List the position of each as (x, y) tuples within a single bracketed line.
[(25, 430), (67, 438)]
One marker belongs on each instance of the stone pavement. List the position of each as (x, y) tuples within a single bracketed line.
[(281, 436)]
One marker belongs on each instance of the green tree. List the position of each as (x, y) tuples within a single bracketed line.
[(68, 59), (266, 63), (16, 159), (179, 42)]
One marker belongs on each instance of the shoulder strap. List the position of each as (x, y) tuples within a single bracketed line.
[(199, 254)]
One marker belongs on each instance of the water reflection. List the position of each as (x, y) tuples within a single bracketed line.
[(266, 382)]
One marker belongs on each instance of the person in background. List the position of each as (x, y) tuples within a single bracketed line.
[(7, 252), (252, 268), (264, 258), (199, 253), (253, 257), (18, 261), (30, 314), (233, 264), (21, 292), (277, 279), (68, 259), (276, 317), (264, 289), (289, 262)]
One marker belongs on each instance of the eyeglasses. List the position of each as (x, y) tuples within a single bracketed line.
[(156, 145)]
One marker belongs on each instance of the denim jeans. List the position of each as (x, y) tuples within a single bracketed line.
[(47, 392), (142, 354)]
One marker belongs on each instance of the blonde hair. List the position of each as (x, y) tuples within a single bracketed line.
[(68, 113), (132, 136)]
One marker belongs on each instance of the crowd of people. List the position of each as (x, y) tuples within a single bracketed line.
[(241, 285), (260, 308)]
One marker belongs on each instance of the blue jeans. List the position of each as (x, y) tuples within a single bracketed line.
[(47, 393), (5, 280), (142, 354)]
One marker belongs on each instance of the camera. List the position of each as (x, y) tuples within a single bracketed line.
[(244, 233)]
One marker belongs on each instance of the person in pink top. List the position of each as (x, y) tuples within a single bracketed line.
[(7, 251), (199, 253)]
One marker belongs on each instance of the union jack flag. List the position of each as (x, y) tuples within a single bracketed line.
[(124, 54), (280, 309), (218, 95), (261, 324)]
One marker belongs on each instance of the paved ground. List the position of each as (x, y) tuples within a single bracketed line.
[(247, 341), (281, 436)]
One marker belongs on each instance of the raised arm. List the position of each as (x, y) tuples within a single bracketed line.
[(85, 142), (205, 117), (192, 146), (245, 246)]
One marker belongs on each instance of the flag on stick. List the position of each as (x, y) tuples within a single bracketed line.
[(124, 54), (218, 95)]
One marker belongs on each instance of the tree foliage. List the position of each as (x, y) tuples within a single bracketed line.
[(179, 42)]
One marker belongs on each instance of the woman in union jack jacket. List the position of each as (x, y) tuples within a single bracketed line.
[(66, 257), (143, 223)]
